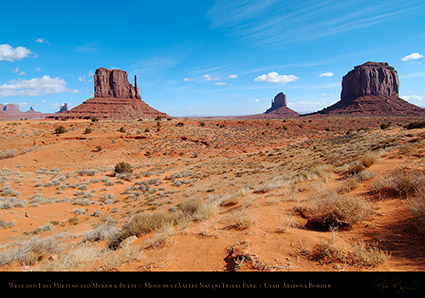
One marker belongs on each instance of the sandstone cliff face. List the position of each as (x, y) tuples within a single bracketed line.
[(114, 83), (114, 98), (370, 79), (371, 89)]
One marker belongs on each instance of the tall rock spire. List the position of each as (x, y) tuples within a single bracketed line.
[(136, 88)]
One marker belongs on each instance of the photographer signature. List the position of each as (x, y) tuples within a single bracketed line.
[(395, 285)]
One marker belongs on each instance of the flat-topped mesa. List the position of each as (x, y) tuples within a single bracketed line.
[(371, 89), (114, 83), (370, 79)]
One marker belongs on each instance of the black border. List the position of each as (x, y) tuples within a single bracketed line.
[(378, 284)]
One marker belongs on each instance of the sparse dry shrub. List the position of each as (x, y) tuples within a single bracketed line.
[(74, 259), (240, 220), (362, 163), (408, 182), (145, 223), (368, 255), (333, 210), (159, 237), (369, 159), (327, 253), (417, 206), (113, 260), (359, 254), (7, 154), (103, 231), (198, 209), (29, 252)]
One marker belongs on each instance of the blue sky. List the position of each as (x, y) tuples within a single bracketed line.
[(209, 57)]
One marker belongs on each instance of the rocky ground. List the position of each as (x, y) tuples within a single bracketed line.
[(305, 194)]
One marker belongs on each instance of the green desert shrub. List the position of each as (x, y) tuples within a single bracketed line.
[(123, 167)]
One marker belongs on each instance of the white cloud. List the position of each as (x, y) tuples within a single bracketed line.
[(35, 87), (413, 98), (11, 54), (274, 77), (187, 79), (233, 76), (326, 74), (413, 56), (220, 83), (210, 78), (41, 40), (256, 100)]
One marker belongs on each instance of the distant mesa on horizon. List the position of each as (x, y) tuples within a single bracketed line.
[(114, 98), (371, 89), (280, 108), (63, 108), (11, 111)]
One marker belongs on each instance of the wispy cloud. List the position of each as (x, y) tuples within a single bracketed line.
[(326, 74), (88, 48), (210, 78), (272, 23), (42, 40)]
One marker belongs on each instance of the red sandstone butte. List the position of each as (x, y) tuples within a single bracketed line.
[(114, 98), (371, 89)]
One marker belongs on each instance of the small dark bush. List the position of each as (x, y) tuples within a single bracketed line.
[(123, 167), (60, 129), (385, 125), (414, 125)]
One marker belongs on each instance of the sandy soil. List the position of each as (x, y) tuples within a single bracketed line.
[(258, 181)]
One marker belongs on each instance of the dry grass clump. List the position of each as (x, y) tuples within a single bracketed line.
[(408, 182), (240, 220), (29, 252), (145, 223), (333, 210), (360, 254), (362, 164), (198, 209), (76, 259), (190, 210), (417, 206)]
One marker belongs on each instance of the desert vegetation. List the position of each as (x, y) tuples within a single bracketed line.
[(229, 195)]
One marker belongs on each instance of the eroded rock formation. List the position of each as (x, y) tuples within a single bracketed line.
[(279, 106), (114, 83), (370, 79), (371, 89), (114, 98)]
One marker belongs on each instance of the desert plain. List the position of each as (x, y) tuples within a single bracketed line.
[(213, 194)]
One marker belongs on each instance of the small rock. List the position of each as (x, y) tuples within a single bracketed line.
[(127, 241)]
